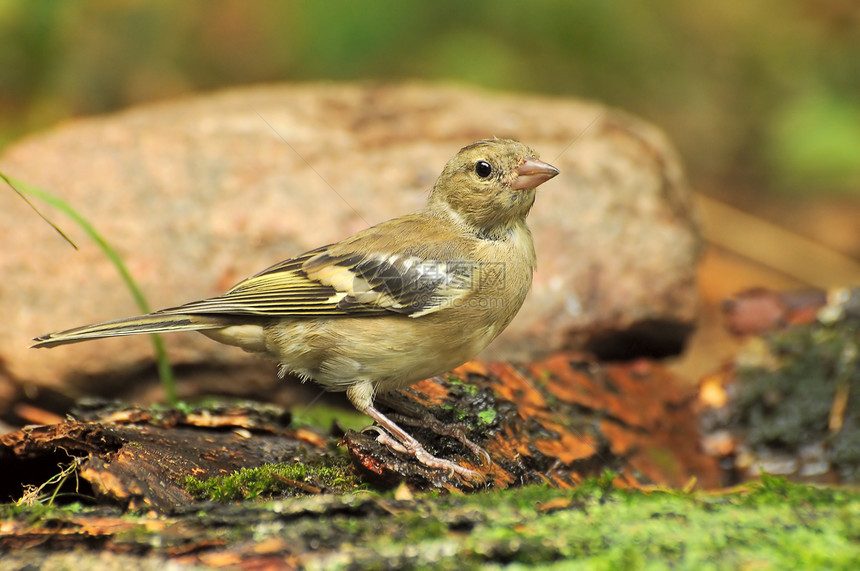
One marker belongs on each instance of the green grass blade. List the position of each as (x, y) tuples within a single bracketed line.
[(37, 211)]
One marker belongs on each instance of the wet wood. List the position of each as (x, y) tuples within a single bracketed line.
[(555, 421), (139, 460)]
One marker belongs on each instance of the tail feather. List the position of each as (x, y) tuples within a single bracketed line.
[(152, 323)]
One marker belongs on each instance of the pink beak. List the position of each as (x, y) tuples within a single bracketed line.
[(532, 173)]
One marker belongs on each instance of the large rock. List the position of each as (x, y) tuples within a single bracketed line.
[(198, 193)]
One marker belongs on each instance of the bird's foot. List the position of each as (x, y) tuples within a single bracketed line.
[(455, 431), (414, 449), (411, 415)]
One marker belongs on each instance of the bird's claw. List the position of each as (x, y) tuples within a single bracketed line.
[(420, 453), (455, 431)]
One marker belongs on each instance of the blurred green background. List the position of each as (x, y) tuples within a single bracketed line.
[(759, 96)]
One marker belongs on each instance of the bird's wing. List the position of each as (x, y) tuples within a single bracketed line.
[(333, 281), (401, 283)]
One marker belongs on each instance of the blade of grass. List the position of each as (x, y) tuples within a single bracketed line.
[(165, 372), (37, 211)]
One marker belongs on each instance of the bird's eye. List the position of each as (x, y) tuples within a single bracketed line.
[(483, 169)]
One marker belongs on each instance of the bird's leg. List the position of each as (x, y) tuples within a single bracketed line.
[(361, 394), (418, 416), (412, 447)]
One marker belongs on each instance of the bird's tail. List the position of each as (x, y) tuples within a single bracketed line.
[(152, 323)]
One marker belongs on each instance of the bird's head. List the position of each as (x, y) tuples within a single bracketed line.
[(490, 185)]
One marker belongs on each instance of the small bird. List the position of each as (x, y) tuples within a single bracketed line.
[(402, 301)]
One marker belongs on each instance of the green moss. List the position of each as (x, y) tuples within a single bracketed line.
[(602, 527), (271, 479), (772, 524), (785, 398), (458, 385), (487, 416), (454, 413), (777, 490), (604, 530)]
